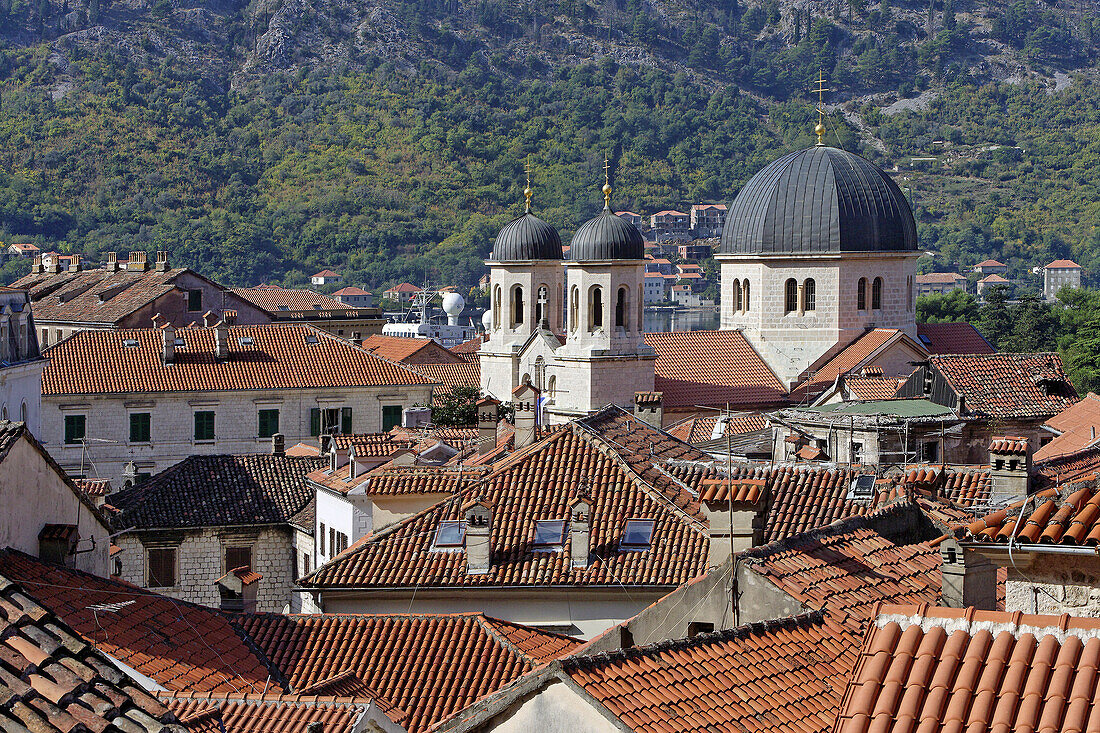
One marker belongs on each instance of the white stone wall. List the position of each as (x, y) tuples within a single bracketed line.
[(529, 276), (200, 561), (555, 708), (1054, 279), (172, 423), (333, 512), (1055, 584), (21, 393)]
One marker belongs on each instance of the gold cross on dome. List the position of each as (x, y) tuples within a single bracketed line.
[(527, 191), (606, 183), (820, 90)]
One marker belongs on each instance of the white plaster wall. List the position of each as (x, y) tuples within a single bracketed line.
[(21, 387), (555, 708), (172, 423), (1055, 584), (390, 509), (333, 512), (590, 613), (32, 495)]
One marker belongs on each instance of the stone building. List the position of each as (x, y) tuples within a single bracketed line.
[(190, 525), (1060, 274), (127, 404), (21, 362), (127, 295), (328, 313), (940, 283)]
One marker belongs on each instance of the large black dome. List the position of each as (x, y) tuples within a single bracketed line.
[(607, 237), (527, 238), (819, 200)]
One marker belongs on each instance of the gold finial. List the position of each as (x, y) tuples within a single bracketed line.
[(820, 91), (527, 191), (606, 183)]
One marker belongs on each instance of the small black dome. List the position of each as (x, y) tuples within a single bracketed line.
[(819, 200), (607, 237), (527, 238)]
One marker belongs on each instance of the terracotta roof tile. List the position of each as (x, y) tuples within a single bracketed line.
[(1058, 469), (93, 487), (784, 676), (286, 713), (469, 347), (1008, 385), (274, 299), (429, 666), (1064, 264), (695, 430), (462, 374), (1065, 515), (990, 263), (826, 370), (390, 480), (130, 624), (952, 338), (1079, 425), (872, 388), (939, 277), (924, 668), (712, 368), (95, 296), (410, 350), (1009, 445), (220, 490), (260, 357)]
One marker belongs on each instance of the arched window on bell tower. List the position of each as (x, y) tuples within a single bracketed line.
[(745, 297), (574, 309), (876, 294), (517, 306), (595, 308), (791, 296), (621, 312), (809, 295), (496, 308), (861, 294), (736, 296)]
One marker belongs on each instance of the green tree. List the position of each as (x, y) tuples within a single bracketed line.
[(455, 407)]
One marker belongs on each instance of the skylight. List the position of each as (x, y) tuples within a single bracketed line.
[(282, 307), (311, 339), (924, 339), (247, 341), (638, 534), (180, 342), (549, 533), (862, 489), (450, 534), (130, 343)]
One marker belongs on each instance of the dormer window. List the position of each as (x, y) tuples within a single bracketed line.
[(637, 535), (450, 535), (549, 534)]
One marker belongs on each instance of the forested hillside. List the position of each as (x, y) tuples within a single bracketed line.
[(261, 142)]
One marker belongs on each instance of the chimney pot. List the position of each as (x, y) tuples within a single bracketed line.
[(278, 444), (169, 333), (162, 262), (969, 578), (478, 525), (649, 408), (1010, 467), (488, 415), (36, 264), (112, 262), (525, 400)]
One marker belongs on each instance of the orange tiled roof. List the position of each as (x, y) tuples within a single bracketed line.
[(95, 296), (469, 347), (269, 357), (784, 676), (462, 374), (275, 299), (712, 368), (851, 356), (326, 273), (872, 388), (410, 350), (611, 455), (1059, 469), (993, 279), (429, 666), (286, 713), (352, 290), (952, 338), (1064, 265), (52, 680), (390, 480), (1066, 515), (990, 263), (1078, 425), (94, 487), (924, 668), (939, 277), (183, 646), (1009, 445), (1008, 385), (404, 288), (695, 430)]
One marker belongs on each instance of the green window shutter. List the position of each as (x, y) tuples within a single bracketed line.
[(74, 428), (391, 417), (315, 421), (345, 421), (269, 423), (204, 425), (140, 427)]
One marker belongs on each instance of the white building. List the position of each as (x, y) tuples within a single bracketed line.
[(120, 404), (1060, 274), (21, 364), (940, 283), (325, 277), (656, 287)]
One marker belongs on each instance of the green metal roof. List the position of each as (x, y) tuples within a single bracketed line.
[(898, 408)]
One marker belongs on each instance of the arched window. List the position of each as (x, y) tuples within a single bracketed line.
[(792, 296), (574, 309), (496, 308), (736, 296), (876, 294), (517, 306), (542, 303), (745, 297), (595, 308), (23, 412), (640, 308), (621, 312), (540, 372), (551, 388), (909, 292), (4, 413), (861, 294), (809, 295)]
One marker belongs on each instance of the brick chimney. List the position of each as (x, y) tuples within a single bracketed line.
[(1010, 467), (139, 262), (74, 264), (648, 407), (168, 331), (278, 444), (112, 262), (580, 510), (478, 525), (736, 520), (969, 578), (162, 262), (488, 415), (221, 341), (36, 265), (525, 400)]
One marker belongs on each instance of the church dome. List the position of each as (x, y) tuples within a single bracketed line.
[(819, 200), (607, 237), (527, 238)]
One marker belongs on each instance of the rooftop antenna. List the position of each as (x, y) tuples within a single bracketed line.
[(820, 90), (527, 191)]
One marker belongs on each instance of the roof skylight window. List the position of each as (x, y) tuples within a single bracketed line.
[(130, 343), (637, 535), (247, 341), (180, 342), (549, 533), (862, 489), (311, 339), (451, 534), (282, 307)]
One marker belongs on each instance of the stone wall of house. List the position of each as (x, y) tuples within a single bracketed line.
[(1055, 584), (200, 561)]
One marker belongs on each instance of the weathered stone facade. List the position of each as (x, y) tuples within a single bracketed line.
[(1055, 584)]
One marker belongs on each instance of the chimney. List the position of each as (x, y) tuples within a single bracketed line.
[(36, 265), (525, 400), (278, 444), (969, 578), (162, 262), (54, 263), (478, 524), (74, 264), (352, 467), (139, 262), (735, 519), (237, 590), (112, 262), (209, 319), (169, 333), (57, 544), (488, 414), (648, 408), (416, 417), (1010, 467), (221, 341), (579, 512), (325, 443)]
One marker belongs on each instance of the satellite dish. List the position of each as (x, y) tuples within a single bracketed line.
[(453, 303)]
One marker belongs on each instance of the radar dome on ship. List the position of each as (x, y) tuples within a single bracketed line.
[(487, 319), (453, 303)]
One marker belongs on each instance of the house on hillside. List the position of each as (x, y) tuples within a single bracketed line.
[(401, 294), (1060, 274), (940, 283), (708, 220), (990, 267), (354, 296), (325, 277)]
